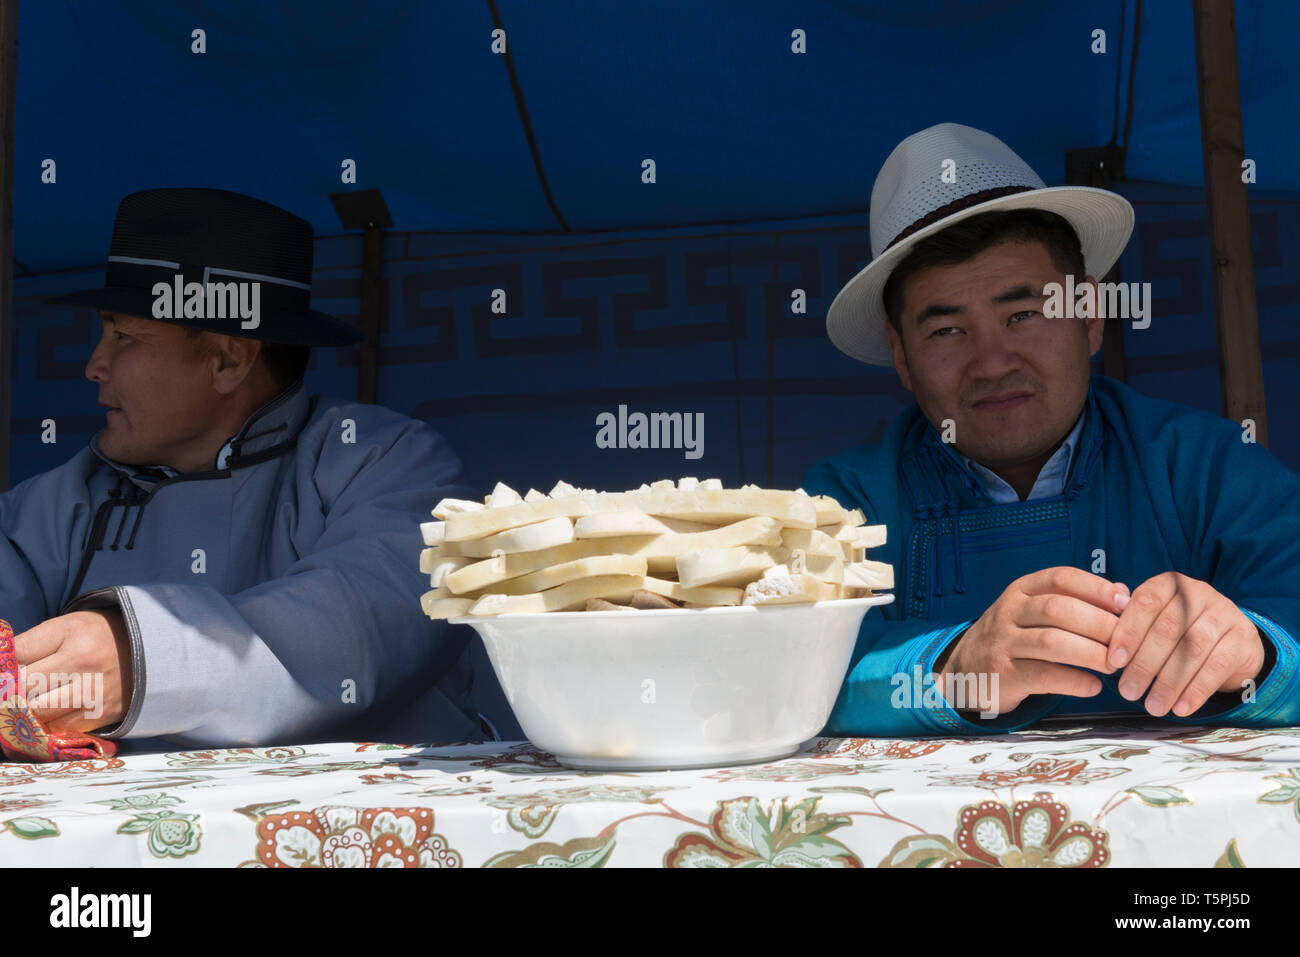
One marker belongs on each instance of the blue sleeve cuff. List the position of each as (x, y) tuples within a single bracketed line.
[(901, 696)]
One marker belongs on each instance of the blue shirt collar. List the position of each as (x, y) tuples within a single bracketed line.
[(1051, 478)]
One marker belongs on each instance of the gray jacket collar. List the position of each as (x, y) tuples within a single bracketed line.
[(267, 432)]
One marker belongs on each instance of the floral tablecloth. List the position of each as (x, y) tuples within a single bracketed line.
[(1115, 795)]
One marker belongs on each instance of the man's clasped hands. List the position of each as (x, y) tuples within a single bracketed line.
[(1174, 639)]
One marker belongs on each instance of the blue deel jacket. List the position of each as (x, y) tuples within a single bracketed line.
[(1153, 487)]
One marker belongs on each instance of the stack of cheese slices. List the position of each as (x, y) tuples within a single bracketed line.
[(689, 544)]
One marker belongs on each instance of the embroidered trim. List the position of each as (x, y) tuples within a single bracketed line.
[(923, 550)]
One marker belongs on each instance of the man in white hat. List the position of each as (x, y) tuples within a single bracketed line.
[(1062, 544)]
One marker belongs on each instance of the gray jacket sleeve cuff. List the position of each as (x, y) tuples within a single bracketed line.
[(116, 597)]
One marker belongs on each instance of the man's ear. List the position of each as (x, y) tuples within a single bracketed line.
[(1096, 323), (232, 361), (899, 357)]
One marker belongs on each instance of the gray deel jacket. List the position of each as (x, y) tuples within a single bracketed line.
[(272, 600)]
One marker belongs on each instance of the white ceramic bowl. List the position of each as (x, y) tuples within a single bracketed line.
[(674, 688)]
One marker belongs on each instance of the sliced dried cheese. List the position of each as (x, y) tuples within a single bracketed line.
[(579, 548), (759, 530), (526, 538), (449, 506), (711, 507), (738, 566), (469, 526), (705, 596), (868, 574), (659, 551), (853, 518), (632, 522), (571, 596), (441, 607), (558, 575), (728, 505), (782, 590), (503, 495), (861, 536), (484, 574), (814, 542), (829, 511), (438, 566), (726, 566), (826, 568)]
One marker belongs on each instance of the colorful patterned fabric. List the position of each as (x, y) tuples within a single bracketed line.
[(23, 736), (1106, 795)]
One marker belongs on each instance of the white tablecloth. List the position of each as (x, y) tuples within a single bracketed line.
[(1116, 795)]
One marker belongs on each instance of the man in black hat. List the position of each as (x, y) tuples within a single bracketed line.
[(229, 561)]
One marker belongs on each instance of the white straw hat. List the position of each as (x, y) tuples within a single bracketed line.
[(911, 202)]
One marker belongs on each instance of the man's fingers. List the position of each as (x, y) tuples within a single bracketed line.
[(55, 716), (1154, 647), (1188, 657), (38, 642), (1068, 613), (74, 721), (60, 695), (1076, 583), (1059, 646), (1221, 666), (1045, 677), (71, 670), (1139, 614), (46, 675)]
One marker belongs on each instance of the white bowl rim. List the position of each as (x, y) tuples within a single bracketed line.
[(883, 598)]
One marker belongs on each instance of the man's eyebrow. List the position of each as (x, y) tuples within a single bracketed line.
[(1016, 293), (937, 309)]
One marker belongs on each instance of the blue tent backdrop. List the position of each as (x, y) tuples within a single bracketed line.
[(666, 296)]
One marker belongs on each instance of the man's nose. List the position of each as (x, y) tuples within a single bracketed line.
[(995, 351), (97, 364)]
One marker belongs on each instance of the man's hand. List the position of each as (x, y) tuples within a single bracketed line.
[(76, 669), (1038, 635), (1192, 640)]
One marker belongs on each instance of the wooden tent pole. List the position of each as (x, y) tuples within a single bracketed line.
[(1241, 370), (8, 83)]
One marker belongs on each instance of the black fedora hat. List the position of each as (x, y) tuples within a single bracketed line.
[(226, 243)]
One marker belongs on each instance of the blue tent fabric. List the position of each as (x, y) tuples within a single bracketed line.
[(740, 127)]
